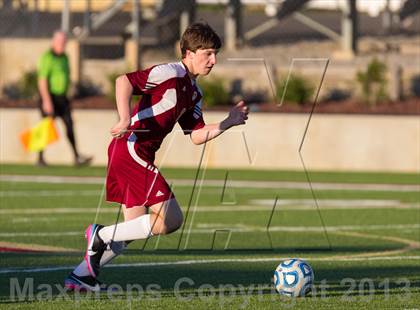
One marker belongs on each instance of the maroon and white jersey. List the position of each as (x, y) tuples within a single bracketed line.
[(168, 96)]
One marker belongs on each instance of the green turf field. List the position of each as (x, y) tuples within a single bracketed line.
[(368, 255)]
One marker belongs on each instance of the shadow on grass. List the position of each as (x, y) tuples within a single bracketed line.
[(287, 251), (277, 250)]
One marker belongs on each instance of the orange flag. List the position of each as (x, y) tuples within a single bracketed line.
[(37, 138)]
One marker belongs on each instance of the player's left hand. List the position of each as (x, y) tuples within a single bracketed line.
[(238, 114), (120, 129)]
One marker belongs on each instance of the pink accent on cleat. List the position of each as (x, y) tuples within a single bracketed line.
[(75, 287), (95, 249), (88, 234)]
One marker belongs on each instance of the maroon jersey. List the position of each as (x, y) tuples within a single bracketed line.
[(168, 96)]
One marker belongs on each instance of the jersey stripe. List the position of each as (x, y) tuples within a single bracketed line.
[(167, 102), (130, 145), (162, 73), (197, 110)]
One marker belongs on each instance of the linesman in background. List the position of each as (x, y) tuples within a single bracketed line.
[(53, 84)]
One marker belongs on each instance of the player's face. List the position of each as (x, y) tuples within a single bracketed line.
[(59, 42), (203, 60)]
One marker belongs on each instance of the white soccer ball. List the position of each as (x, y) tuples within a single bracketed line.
[(293, 277)]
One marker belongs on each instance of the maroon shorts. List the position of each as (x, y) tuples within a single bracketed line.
[(132, 181)]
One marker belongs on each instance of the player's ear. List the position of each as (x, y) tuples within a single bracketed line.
[(189, 54)]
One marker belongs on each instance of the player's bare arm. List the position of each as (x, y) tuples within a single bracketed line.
[(47, 105), (123, 92), (237, 116)]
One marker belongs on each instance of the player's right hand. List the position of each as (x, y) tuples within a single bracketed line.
[(238, 114), (120, 129)]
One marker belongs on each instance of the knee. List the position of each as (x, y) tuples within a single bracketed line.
[(173, 224), (178, 222)]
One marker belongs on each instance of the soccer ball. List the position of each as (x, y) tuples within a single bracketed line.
[(293, 277)]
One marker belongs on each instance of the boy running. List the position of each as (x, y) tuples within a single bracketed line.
[(170, 95)]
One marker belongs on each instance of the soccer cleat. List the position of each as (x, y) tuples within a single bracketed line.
[(81, 284), (41, 163), (95, 249), (82, 160)]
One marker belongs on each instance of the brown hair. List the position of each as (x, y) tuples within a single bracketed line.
[(199, 35)]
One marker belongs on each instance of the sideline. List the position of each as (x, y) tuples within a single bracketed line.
[(220, 183)]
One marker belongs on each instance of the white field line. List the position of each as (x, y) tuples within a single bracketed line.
[(220, 183), (42, 234), (282, 205), (50, 193), (77, 210), (210, 228), (410, 244), (35, 247), (33, 219), (51, 179), (333, 203), (205, 229), (210, 261)]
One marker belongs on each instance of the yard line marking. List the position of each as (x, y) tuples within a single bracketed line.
[(210, 228), (335, 203), (42, 234), (13, 246), (77, 210), (33, 219), (219, 183), (49, 193), (410, 244), (287, 205), (209, 261), (51, 179), (201, 228)]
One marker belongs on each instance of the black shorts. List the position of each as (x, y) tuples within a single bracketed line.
[(61, 106)]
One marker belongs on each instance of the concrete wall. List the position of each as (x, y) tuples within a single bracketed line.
[(19, 56), (333, 142)]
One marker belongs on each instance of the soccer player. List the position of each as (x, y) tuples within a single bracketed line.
[(170, 95), (53, 84)]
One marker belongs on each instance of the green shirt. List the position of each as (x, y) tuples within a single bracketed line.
[(55, 68)]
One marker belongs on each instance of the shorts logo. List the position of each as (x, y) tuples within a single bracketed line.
[(159, 193)]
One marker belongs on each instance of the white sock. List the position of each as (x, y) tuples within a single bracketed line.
[(139, 228), (116, 249)]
